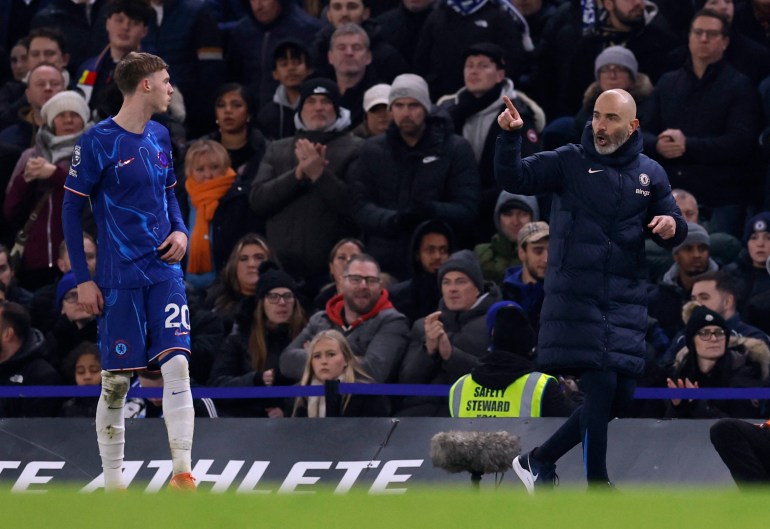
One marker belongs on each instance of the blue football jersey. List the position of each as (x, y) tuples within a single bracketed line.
[(125, 177)]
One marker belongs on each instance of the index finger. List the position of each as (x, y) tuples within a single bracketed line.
[(509, 104)]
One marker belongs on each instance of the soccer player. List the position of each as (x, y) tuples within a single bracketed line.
[(123, 167)]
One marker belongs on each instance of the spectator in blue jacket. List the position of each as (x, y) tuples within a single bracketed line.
[(606, 196), (524, 283)]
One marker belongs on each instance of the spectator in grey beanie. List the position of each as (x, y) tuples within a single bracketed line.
[(616, 56), (696, 234), (410, 85)]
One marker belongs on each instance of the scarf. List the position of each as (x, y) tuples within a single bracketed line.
[(468, 105), (466, 7), (205, 198), (54, 148)]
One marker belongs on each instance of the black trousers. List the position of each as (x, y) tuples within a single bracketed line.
[(607, 394), (745, 449)]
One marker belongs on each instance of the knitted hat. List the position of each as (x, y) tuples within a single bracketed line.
[(533, 232), (617, 55), (508, 200), (319, 86), (512, 330), (69, 100), (376, 95), (759, 222), (66, 283), (270, 277), (410, 85), (487, 49), (696, 234), (464, 261), (702, 317)]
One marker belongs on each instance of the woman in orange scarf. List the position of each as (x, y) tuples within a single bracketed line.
[(208, 178)]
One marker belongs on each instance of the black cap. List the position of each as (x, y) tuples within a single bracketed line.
[(270, 277), (319, 86), (493, 51)]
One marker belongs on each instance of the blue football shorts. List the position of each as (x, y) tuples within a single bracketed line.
[(139, 324)]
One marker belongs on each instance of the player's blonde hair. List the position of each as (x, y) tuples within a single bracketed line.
[(134, 67)]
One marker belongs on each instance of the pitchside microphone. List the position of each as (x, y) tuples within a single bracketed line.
[(475, 452)]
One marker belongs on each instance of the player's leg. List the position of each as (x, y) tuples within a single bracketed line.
[(178, 409), (168, 325), (110, 427), (121, 336)]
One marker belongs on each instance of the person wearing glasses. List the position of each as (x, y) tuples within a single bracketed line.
[(265, 325), (712, 358), (362, 312), (702, 124)]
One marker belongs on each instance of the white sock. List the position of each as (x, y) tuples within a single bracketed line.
[(110, 427), (178, 412)]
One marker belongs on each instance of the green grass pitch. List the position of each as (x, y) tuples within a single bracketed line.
[(424, 508)]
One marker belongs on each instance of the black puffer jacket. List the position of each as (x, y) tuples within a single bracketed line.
[(595, 311), (437, 179)]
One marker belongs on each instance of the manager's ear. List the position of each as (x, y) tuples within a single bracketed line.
[(634, 125)]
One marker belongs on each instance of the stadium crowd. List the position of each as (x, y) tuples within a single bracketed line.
[(335, 169)]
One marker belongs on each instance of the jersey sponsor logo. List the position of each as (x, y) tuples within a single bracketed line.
[(644, 179), (163, 159), (76, 157), (592, 171), (642, 192), (123, 163), (120, 347)]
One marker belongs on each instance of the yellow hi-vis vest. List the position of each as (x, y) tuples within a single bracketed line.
[(523, 398)]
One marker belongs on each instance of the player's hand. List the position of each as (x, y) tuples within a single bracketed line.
[(90, 298), (663, 225), (509, 119), (173, 248), (268, 377), (274, 413)]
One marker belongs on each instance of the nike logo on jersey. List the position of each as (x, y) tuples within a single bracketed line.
[(122, 163), (429, 159), (178, 392), (592, 171)]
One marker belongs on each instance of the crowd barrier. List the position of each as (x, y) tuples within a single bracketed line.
[(421, 390)]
